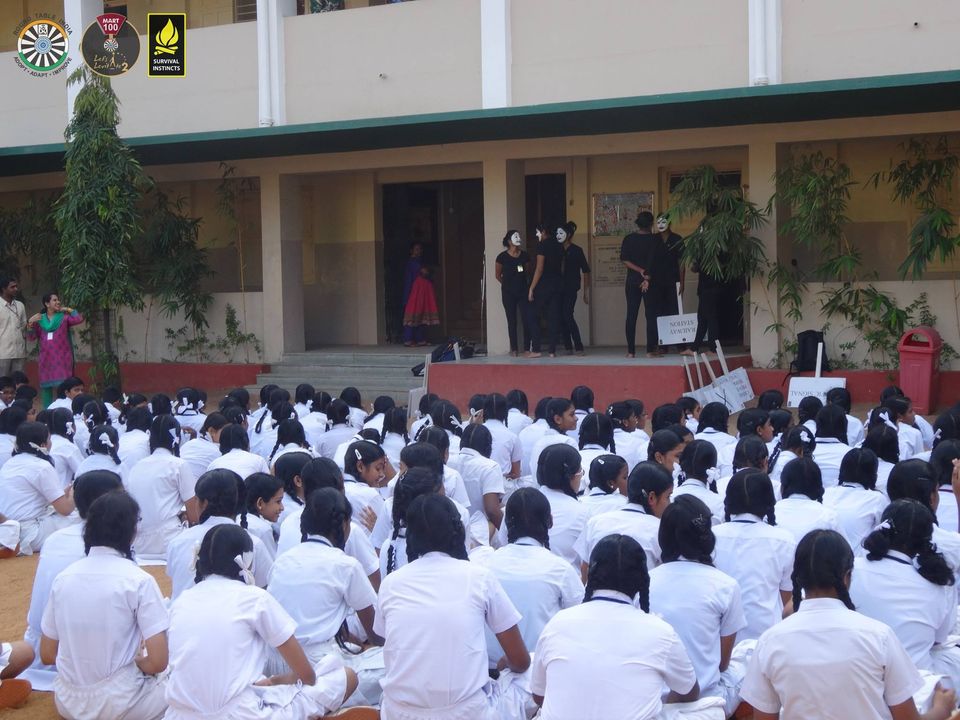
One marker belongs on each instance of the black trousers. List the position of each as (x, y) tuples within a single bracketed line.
[(548, 300), (660, 300), (515, 302), (634, 298), (569, 327), (708, 317)]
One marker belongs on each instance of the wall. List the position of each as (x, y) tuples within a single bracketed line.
[(39, 113), (573, 50)]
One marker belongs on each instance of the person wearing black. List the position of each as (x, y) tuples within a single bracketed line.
[(574, 264), (634, 253), (513, 269), (546, 292), (663, 274), (708, 314)]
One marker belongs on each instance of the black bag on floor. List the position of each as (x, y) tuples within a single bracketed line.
[(806, 360), (441, 353)]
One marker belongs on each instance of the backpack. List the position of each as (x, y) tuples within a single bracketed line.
[(806, 360)]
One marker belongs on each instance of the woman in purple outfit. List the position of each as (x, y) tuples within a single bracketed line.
[(52, 329)]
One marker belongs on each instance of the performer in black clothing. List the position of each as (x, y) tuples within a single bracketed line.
[(634, 253), (708, 315), (574, 264), (546, 292), (513, 271), (663, 274)]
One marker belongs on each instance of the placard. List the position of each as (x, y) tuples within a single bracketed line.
[(607, 268), (677, 329), (801, 387)]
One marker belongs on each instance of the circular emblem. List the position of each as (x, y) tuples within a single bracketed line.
[(42, 45), (110, 46)]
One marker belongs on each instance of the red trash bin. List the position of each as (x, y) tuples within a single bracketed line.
[(920, 367)]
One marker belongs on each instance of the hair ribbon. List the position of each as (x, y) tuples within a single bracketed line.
[(885, 525), (244, 561), (885, 416), (105, 440), (39, 448), (175, 435)]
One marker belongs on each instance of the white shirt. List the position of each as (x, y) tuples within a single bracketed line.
[(828, 661), (375, 423), (198, 454), (798, 514), (263, 442), (481, 476), (588, 454), (382, 537), (855, 433), (263, 530), (332, 438), (703, 605), (81, 438), (98, 461), (858, 511), (948, 544), (606, 659), (569, 520), (319, 585), (828, 455), (357, 417), (632, 447), (783, 458), (538, 583), (95, 644), (630, 520), (27, 487), (182, 550), (947, 510), (393, 444), (506, 446), (314, 426), (551, 437), (517, 421), (362, 496), (191, 419), (60, 403), (418, 425), (718, 439), (596, 501), (358, 545), (67, 456), (287, 449), (13, 323), (529, 437), (6, 447), (161, 483), (892, 591), (699, 489), (911, 441), (580, 415), (760, 558), (134, 446), (926, 431), (432, 614), (220, 632), (243, 463), (59, 551), (884, 469)]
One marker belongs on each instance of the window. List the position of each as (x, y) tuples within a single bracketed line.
[(244, 10)]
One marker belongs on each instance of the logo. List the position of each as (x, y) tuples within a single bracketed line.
[(166, 44), (42, 47), (111, 45)]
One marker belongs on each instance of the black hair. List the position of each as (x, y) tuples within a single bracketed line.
[(822, 562), (517, 400), (241, 396), (750, 452), (423, 407), (495, 408), (88, 486), (5, 280), (597, 429), (44, 416), (265, 393), (808, 408), (540, 410), (304, 393), (687, 404), (288, 468), (279, 395), (324, 513), (60, 422), (104, 440), (696, 459), (477, 437), (279, 411), (161, 404), (859, 467), (412, 484), (527, 514), (645, 478), (898, 404), (569, 227), (361, 451), (913, 480), (881, 416), (77, 404), (73, 381), (907, 526), (234, 437), (506, 238), (662, 441), (188, 399), (751, 420), (620, 412), (139, 418), (666, 415), (219, 489), (434, 436), (714, 415), (95, 413), (832, 423), (770, 400), (941, 461), (214, 421), (638, 407), (555, 408), (30, 434), (889, 392), (444, 414), (7, 382), (582, 398), (289, 431), (681, 431), (780, 420), (885, 442), (802, 476), (644, 220), (619, 563), (840, 396), (434, 525), (351, 396), (423, 455), (165, 433), (475, 406), (380, 406), (946, 427), (685, 531), (219, 547), (12, 418), (260, 486), (112, 522), (338, 412), (604, 471), (19, 377), (557, 466), (26, 392), (750, 492), (395, 421), (319, 473)]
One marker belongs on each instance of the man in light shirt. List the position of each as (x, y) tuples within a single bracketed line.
[(13, 322)]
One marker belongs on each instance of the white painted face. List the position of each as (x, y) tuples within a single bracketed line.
[(561, 235), (515, 240), (662, 223)]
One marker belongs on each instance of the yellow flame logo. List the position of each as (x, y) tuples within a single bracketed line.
[(167, 39)]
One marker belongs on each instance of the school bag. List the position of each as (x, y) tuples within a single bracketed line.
[(444, 353), (806, 359)]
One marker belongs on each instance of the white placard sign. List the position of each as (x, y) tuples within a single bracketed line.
[(677, 329), (733, 390), (801, 387)]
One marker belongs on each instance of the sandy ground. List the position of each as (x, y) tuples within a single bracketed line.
[(16, 581)]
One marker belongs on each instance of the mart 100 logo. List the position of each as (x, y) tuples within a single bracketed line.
[(43, 46)]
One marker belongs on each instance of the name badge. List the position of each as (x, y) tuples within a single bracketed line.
[(519, 268), (50, 336)]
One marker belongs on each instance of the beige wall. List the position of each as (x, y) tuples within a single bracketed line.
[(39, 113), (429, 51), (825, 39), (573, 50)]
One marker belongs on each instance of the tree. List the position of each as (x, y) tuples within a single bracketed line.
[(97, 218)]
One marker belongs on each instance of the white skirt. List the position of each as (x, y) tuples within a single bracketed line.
[(128, 694), (33, 533), (150, 544)]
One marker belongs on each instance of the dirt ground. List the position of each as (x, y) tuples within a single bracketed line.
[(16, 581)]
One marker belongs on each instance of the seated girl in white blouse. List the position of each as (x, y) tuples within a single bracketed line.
[(595, 439), (482, 477), (796, 442), (105, 624), (607, 489), (264, 506), (943, 463), (831, 442), (856, 501), (221, 631), (698, 464), (802, 508), (826, 660), (101, 452), (664, 449), (558, 474), (885, 443), (712, 425)]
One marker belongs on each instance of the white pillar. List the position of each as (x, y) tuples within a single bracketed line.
[(495, 53), (764, 17), (763, 310), (271, 61), (503, 208), (78, 14), (263, 64), (282, 249)]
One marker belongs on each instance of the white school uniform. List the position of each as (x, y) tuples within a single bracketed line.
[(529, 437), (625, 677), (858, 511), (191, 419), (340, 454), (580, 415), (798, 515), (66, 458), (263, 442), (700, 490), (60, 403), (926, 431), (96, 674), (569, 522), (538, 583), (357, 417), (828, 455), (884, 469), (314, 426), (374, 423), (828, 661), (517, 421), (6, 448), (380, 536), (418, 425), (760, 558), (783, 458), (290, 448), (588, 454), (182, 551), (28, 485), (133, 447), (855, 434), (911, 441), (481, 476), (632, 447), (98, 461), (243, 463), (716, 438), (332, 439), (702, 604), (362, 496), (263, 531), (393, 444), (358, 545), (692, 424), (81, 438), (161, 484), (551, 437), (206, 682), (947, 510), (198, 454), (630, 520), (725, 459), (596, 501), (948, 545), (506, 446), (811, 425), (302, 409), (433, 613)]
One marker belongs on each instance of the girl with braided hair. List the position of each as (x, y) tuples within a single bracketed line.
[(796, 442), (700, 602), (482, 476), (905, 583), (856, 500), (66, 455), (713, 423), (413, 483), (607, 489), (595, 439), (507, 450), (698, 462), (802, 508), (453, 485), (856, 664), (102, 452), (753, 552), (559, 474), (290, 438), (575, 646), (752, 422)]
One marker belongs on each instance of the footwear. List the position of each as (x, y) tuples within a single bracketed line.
[(409, 344), (532, 354), (631, 355), (14, 693), (579, 353)]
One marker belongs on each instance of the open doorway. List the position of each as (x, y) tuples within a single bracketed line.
[(447, 219)]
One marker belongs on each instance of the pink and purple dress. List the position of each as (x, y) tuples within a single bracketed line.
[(56, 347)]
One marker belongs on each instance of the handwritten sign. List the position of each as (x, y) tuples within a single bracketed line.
[(676, 329), (801, 387)]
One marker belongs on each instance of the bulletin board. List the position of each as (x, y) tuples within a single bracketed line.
[(607, 269), (614, 213)]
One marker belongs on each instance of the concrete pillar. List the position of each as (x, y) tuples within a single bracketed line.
[(495, 49), (763, 310), (503, 208), (271, 60), (369, 300), (764, 18), (282, 224), (78, 14)]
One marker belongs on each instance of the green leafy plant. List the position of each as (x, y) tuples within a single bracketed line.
[(235, 337)]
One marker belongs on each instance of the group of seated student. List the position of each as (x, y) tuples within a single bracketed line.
[(576, 564)]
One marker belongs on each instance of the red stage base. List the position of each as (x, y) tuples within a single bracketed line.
[(148, 378)]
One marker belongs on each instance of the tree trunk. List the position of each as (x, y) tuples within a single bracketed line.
[(110, 362)]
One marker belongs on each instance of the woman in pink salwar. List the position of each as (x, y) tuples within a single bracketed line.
[(52, 329)]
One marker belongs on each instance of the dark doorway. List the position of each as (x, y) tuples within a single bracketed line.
[(447, 217), (546, 204)]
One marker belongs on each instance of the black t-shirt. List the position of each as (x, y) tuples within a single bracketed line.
[(664, 260), (636, 248), (574, 263), (552, 253), (514, 273)]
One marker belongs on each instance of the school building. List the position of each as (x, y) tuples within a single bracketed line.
[(360, 130)]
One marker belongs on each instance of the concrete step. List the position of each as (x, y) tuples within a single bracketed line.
[(337, 371)]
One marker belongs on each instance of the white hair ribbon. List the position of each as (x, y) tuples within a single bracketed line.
[(105, 440), (938, 434), (713, 474), (886, 420), (308, 405), (600, 461), (175, 434), (244, 561), (70, 429), (40, 449), (126, 399), (885, 525), (474, 413), (200, 405), (193, 560), (150, 407), (806, 434)]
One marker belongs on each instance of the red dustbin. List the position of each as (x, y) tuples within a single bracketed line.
[(920, 367)]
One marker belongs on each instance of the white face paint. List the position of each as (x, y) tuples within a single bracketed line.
[(515, 240), (662, 224), (561, 235)]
